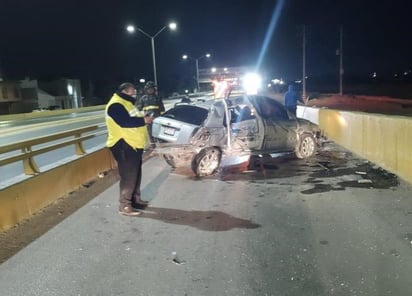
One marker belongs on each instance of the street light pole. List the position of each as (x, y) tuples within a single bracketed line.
[(341, 62), (154, 61), (197, 65), (131, 29), (197, 74)]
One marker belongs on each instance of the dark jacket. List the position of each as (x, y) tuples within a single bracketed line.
[(291, 97), (151, 103)]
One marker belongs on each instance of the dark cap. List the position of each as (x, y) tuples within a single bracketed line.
[(126, 85)]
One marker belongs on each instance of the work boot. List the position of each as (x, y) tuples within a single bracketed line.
[(140, 204), (129, 211)]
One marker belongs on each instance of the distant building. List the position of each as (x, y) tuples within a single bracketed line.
[(10, 91), (37, 97), (67, 92), (30, 94), (1, 73), (10, 94)]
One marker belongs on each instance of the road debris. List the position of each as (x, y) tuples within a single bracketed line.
[(176, 259)]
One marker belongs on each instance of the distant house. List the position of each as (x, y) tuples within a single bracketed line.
[(67, 92), (10, 91), (10, 94), (29, 94), (37, 97)]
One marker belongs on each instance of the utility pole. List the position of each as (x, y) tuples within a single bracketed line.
[(341, 62), (131, 29), (304, 64), (197, 75)]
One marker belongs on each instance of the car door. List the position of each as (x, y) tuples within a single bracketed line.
[(245, 128), (278, 128)]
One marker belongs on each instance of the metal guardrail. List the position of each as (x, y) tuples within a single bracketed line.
[(28, 151)]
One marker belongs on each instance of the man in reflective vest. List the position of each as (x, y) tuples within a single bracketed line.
[(127, 138), (150, 103)]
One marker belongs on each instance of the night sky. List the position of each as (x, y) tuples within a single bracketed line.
[(87, 39)]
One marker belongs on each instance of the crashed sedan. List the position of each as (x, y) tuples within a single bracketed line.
[(221, 132)]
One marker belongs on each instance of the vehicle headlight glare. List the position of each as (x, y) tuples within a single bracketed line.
[(251, 83)]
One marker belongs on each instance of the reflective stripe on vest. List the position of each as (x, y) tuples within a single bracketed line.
[(151, 107)]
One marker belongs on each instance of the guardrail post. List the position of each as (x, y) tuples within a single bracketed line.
[(79, 146), (29, 165)]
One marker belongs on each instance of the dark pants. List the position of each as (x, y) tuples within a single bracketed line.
[(129, 163), (292, 109)]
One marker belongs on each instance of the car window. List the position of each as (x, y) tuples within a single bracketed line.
[(241, 113), (187, 113), (270, 109)]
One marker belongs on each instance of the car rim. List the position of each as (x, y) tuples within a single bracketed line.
[(307, 147), (209, 163)]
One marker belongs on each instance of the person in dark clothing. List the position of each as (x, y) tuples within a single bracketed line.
[(291, 99), (127, 137), (150, 103)]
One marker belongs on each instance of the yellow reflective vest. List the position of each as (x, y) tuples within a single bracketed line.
[(136, 137)]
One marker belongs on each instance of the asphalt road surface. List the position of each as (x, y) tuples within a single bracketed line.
[(335, 225)]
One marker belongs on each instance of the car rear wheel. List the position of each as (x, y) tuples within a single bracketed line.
[(306, 147), (206, 162)]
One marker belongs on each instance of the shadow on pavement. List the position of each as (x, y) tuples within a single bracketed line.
[(203, 220)]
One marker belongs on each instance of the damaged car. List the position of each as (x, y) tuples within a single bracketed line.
[(215, 133)]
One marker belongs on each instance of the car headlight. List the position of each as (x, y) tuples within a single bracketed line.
[(252, 82)]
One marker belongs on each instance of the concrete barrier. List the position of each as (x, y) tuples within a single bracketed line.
[(19, 201), (385, 140)]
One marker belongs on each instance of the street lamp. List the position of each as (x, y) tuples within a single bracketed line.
[(185, 57), (131, 29)]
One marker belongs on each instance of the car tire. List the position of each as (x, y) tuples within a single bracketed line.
[(169, 160), (206, 162), (307, 146)]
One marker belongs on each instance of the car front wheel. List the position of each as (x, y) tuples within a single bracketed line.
[(306, 147), (206, 162)]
